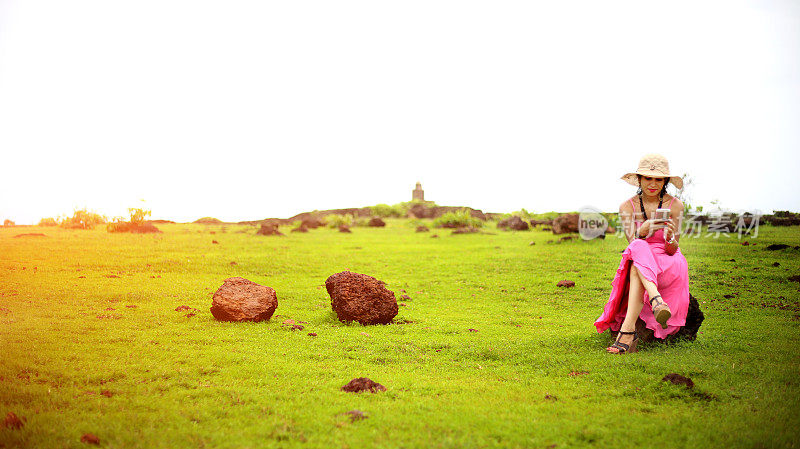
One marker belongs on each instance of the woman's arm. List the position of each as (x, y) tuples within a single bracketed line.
[(672, 233), (627, 221)]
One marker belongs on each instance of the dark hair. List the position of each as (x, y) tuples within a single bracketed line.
[(663, 189)]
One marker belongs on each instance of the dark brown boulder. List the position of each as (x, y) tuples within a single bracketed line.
[(376, 222), (565, 224), (360, 384), (345, 228), (239, 299), (312, 223), (269, 229), (362, 298), (301, 228), (566, 283), (513, 223), (541, 222), (694, 318), (422, 228)]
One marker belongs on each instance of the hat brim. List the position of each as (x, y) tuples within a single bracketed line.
[(633, 178)]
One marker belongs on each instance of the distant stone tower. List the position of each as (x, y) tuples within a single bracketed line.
[(418, 193)]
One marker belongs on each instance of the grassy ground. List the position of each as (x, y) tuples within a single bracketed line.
[(88, 312)]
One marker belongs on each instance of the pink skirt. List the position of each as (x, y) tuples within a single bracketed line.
[(669, 273)]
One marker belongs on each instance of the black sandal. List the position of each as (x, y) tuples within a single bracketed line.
[(622, 348), (660, 310)]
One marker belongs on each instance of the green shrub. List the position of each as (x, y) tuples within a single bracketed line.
[(459, 219), (48, 222), (387, 211), (334, 220), (138, 215), (83, 219)]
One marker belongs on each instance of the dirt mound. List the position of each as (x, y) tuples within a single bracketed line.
[(239, 299), (345, 229), (422, 228), (777, 246), (513, 223), (566, 283), (362, 298), (466, 230), (30, 234), (269, 229), (90, 438), (363, 384), (13, 422), (565, 224), (677, 379), (209, 220), (133, 228)]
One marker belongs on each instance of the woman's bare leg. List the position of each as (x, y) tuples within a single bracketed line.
[(637, 285)]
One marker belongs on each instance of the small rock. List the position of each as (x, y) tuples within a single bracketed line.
[(550, 397), (776, 264), (677, 379), (435, 236), (360, 384), (422, 228), (13, 422), (531, 243), (795, 278), (297, 327), (345, 229), (565, 283), (106, 393), (234, 263), (732, 260), (215, 242), (312, 334), (90, 438), (727, 296), (472, 330), (289, 321), (190, 314), (745, 243), (405, 297), (182, 308)]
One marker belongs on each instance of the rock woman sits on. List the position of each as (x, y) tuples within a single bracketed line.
[(652, 272)]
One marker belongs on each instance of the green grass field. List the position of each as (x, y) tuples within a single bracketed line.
[(88, 312)]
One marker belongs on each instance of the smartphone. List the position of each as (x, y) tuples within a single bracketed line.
[(662, 214)]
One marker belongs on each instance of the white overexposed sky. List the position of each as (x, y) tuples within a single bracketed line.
[(251, 109)]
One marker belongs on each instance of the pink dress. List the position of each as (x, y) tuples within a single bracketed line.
[(669, 273)]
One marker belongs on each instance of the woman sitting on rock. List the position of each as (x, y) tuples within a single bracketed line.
[(653, 271)]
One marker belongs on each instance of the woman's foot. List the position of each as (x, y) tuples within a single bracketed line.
[(660, 310), (626, 342)]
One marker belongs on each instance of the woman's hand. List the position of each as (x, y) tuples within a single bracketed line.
[(649, 227), (669, 231)]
